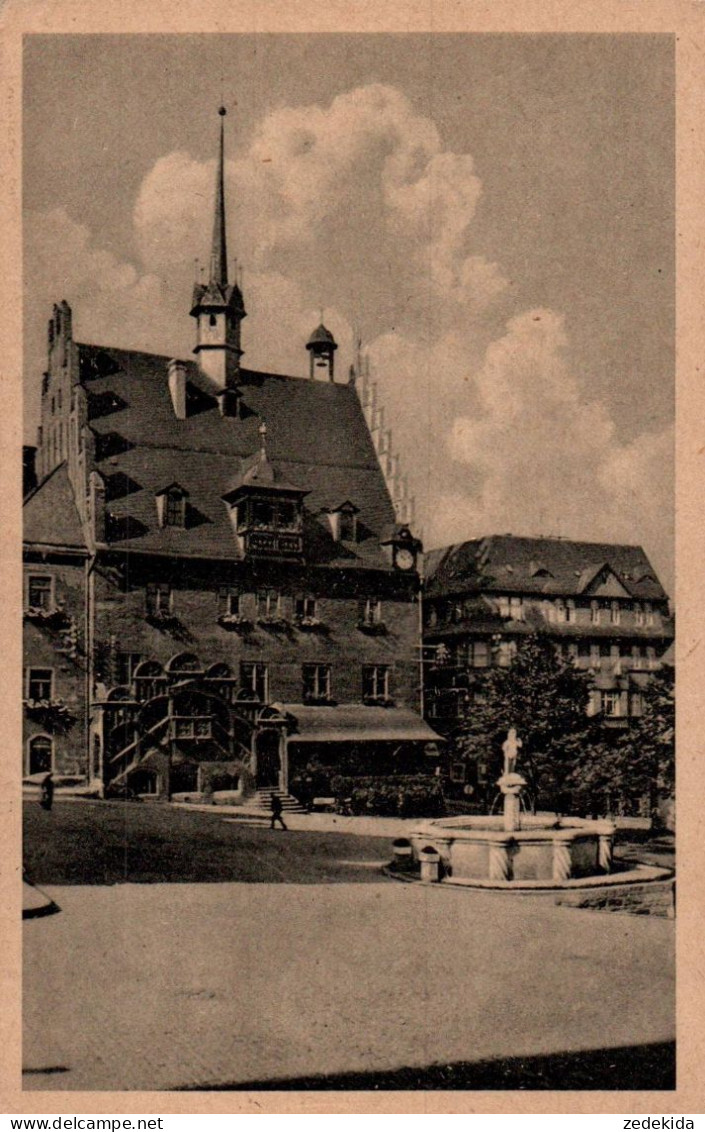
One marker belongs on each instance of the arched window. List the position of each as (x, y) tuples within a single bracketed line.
[(184, 662), (222, 680), (150, 680), (41, 754)]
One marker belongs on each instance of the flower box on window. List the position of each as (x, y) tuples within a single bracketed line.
[(236, 622), (54, 710), (373, 628), (54, 618), (310, 625)]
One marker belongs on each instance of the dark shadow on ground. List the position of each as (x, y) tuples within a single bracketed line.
[(626, 1068), (117, 842)]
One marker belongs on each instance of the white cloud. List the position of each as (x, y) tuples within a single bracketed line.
[(543, 458), (358, 206)]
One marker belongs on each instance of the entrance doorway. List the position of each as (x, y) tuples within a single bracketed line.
[(268, 759)]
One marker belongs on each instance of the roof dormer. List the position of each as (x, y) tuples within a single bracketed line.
[(343, 521), (171, 505), (266, 510)]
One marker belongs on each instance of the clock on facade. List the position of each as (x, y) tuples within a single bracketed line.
[(404, 558)]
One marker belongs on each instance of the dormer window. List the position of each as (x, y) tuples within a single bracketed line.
[(343, 522), (171, 506), (267, 512)]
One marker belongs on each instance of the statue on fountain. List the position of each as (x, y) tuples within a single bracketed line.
[(511, 783)]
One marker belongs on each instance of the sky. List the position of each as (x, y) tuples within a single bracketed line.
[(494, 214)]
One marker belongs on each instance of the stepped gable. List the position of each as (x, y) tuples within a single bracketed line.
[(512, 564), (49, 514), (316, 437)]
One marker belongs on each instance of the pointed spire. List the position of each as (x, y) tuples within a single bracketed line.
[(219, 257)]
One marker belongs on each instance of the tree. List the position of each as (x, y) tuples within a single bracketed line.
[(638, 763), (545, 698)]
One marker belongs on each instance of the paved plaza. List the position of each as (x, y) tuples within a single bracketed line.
[(158, 986)]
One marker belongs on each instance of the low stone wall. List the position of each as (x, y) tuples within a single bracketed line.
[(656, 899)]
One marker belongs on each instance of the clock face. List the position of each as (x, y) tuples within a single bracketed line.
[(405, 559)]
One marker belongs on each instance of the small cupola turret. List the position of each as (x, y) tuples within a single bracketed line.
[(321, 347), (218, 305)]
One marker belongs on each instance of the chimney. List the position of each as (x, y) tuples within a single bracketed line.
[(176, 372)]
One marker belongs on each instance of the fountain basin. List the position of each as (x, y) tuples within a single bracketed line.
[(480, 849)]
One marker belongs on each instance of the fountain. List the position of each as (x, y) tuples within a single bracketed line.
[(514, 849)]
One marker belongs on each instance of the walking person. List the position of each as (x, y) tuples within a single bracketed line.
[(276, 808), (47, 795)]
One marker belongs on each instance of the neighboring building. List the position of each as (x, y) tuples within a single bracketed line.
[(603, 606), (217, 586)]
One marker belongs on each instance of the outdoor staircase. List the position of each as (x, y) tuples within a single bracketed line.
[(262, 800)]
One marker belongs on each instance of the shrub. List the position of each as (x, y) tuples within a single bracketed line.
[(403, 795)]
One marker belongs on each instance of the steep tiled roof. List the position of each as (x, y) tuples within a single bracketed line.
[(316, 438), (49, 515), (508, 564)]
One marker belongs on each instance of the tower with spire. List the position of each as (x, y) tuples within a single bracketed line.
[(217, 305)]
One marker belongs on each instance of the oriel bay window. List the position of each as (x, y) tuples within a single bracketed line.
[(375, 683), (316, 682)]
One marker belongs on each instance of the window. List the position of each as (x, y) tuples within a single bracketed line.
[(347, 525), (375, 682), (560, 613), (570, 612), (371, 612), (232, 604), (595, 612), (175, 509), (615, 613), (316, 682), (611, 704), (159, 599), (268, 604), (503, 606), (504, 653), (636, 656), (41, 754), (125, 665), (639, 613), (39, 683), (306, 608), (40, 592), (149, 680), (516, 608), (481, 654), (651, 661), (572, 651), (254, 678), (457, 772), (594, 655), (263, 513), (637, 703), (649, 613)]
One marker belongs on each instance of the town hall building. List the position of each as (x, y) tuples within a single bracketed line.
[(219, 590)]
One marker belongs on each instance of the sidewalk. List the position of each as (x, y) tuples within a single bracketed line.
[(313, 823)]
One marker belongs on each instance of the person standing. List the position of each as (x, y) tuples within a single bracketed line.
[(47, 794), (276, 808)]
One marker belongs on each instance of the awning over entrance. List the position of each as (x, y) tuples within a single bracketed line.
[(356, 722)]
